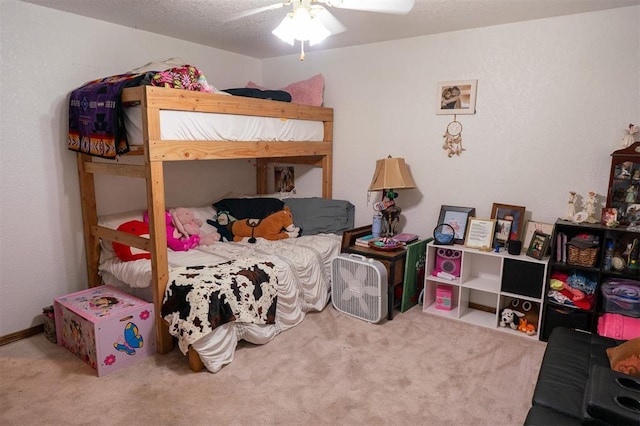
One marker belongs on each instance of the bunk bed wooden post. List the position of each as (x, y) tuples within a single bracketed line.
[(327, 173), (156, 208), (261, 175), (89, 219), (159, 259)]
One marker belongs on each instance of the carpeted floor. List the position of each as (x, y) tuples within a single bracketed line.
[(418, 369)]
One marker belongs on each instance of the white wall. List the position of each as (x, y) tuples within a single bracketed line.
[(553, 99), (45, 55)]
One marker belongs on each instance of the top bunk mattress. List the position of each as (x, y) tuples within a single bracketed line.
[(204, 126)]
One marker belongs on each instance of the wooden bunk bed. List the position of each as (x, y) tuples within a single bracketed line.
[(156, 151)]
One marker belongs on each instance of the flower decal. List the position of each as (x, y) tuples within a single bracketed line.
[(144, 315), (110, 360)]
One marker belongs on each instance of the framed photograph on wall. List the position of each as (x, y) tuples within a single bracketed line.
[(538, 245), (284, 178), (456, 97), (533, 227), (480, 233), (512, 213), (457, 218)]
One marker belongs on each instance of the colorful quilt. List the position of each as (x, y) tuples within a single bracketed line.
[(96, 121), (200, 298)]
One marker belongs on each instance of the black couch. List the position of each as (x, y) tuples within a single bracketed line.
[(576, 385)]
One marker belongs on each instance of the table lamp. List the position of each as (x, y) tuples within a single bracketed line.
[(390, 174)]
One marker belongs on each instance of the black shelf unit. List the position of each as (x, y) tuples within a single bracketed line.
[(556, 314)]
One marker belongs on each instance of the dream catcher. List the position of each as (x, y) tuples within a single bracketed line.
[(453, 138)]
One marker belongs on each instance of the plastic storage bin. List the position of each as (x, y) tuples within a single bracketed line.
[(622, 297)]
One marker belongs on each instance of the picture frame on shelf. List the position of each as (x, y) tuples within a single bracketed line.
[(513, 213), (609, 216), (480, 233), (503, 231), (456, 217), (533, 227), (538, 245), (456, 97)]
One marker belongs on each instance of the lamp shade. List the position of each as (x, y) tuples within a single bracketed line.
[(391, 173)]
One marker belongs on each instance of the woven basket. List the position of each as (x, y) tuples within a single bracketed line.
[(582, 257)]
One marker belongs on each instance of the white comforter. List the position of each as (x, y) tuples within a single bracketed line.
[(303, 268)]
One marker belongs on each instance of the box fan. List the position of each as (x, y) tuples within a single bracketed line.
[(359, 287)]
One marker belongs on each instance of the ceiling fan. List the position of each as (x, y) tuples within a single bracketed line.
[(311, 21)]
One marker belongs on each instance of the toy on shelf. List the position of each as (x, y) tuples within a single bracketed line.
[(629, 136), (521, 315), (571, 206)]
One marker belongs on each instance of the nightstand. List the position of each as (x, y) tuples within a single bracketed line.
[(393, 262)]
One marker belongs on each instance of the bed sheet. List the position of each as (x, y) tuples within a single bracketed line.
[(185, 125), (303, 268)]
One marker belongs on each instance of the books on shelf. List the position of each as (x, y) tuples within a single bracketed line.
[(405, 237), (365, 240)]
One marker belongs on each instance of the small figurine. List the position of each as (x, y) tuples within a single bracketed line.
[(590, 207), (571, 206), (631, 194), (629, 136)]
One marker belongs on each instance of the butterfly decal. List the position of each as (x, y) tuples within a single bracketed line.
[(130, 341)]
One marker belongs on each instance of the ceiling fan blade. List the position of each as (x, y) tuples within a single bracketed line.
[(256, 11), (329, 21), (398, 7)]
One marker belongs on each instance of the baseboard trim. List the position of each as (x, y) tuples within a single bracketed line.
[(482, 307), (22, 334)]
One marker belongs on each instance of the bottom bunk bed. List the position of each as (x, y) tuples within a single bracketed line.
[(229, 291)]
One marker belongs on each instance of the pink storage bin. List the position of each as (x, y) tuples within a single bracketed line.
[(619, 326), (444, 297), (106, 328)]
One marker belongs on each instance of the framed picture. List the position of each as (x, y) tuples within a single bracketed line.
[(456, 97), (513, 213), (538, 245), (479, 233), (533, 227), (457, 218), (609, 216), (503, 231), (284, 178)]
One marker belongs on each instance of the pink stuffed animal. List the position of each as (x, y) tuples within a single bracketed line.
[(175, 240), (189, 226)]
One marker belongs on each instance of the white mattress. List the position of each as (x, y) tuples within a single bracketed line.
[(303, 268), (185, 125)]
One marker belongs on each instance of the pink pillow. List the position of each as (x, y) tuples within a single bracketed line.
[(306, 92)]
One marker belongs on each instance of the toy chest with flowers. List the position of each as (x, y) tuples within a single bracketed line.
[(106, 328)]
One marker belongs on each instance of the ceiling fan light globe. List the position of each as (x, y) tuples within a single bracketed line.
[(301, 25), (284, 31), (316, 32)]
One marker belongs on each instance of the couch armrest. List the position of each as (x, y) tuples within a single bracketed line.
[(612, 397)]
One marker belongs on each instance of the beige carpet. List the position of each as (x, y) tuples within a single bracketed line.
[(418, 369)]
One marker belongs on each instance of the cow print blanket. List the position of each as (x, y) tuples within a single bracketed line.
[(200, 298)]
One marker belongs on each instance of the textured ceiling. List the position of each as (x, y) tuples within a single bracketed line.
[(207, 22)]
